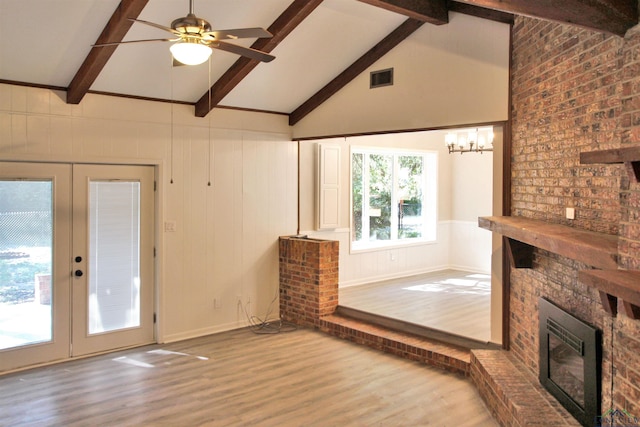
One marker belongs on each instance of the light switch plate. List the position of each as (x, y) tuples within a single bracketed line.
[(570, 213)]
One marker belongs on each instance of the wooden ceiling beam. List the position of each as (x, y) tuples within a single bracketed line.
[(431, 11), (113, 32), (378, 51), (481, 12), (281, 27), (608, 16)]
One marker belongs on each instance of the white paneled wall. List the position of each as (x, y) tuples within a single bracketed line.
[(469, 247), (460, 245), (376, 265), (224, 247)]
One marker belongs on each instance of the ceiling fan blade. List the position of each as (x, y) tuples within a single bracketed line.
[(239, 33), (244, 51), (153, 24), (134, 41)]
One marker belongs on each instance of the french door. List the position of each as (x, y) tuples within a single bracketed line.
[(76, 260)]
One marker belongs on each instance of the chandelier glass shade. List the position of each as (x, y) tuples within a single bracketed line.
[(190, 52), (469, 140)]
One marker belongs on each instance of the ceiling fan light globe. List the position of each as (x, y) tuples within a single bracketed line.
[(190, 53)]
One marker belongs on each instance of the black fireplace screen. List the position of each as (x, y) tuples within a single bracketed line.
[(566, 369), (570, 360)]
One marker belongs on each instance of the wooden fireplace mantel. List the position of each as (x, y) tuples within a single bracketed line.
[(595, 249), (598, 250)]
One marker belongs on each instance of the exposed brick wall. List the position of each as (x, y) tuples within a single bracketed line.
[(566, 99), (576, 90), (308, 279)]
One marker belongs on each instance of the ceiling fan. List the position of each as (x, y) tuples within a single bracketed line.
[(195, 39)]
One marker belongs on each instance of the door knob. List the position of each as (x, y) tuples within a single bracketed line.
[(78, 259), (78, 273)]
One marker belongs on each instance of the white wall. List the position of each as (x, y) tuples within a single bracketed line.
[(465, 188), (471, 196), (226, 239), (450, 74)]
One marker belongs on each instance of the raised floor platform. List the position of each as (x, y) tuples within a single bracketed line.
[(430, 352)]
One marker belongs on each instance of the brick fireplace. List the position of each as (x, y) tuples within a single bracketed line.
[(570, 361), (576, 91)]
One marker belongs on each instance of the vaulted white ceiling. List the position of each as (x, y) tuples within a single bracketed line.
[(45, 43)]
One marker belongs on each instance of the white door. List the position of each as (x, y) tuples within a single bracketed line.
[(84, 233), (35, 249), (112, 257)]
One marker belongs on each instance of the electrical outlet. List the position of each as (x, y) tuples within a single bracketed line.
[(217, 303)]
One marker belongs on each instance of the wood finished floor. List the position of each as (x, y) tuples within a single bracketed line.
[(452, 301), (237, 378)]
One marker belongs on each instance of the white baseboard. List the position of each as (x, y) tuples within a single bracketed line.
[(394, 275), (203, 332), (469, 269)]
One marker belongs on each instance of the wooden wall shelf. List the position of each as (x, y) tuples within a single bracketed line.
[(630, 156), (595, 249), (614, 285)]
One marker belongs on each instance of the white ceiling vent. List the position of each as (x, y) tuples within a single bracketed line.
[(381, 78)]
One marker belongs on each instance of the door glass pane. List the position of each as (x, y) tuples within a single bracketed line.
[(26, 227), (114, 255)]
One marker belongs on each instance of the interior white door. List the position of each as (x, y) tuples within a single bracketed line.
[(35, 248), (112, 257)]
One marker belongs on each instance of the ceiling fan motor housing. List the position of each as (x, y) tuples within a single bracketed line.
[(191, 24)]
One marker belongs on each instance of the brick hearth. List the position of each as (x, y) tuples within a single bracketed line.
[(514, 396)]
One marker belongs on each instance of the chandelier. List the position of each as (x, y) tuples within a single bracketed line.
[(469, 140)]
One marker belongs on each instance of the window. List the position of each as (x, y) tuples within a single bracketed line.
[(393, 197)]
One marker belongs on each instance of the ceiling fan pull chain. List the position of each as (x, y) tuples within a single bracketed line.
[(209, 123)]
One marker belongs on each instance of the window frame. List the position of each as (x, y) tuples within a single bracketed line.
[(429, 198)]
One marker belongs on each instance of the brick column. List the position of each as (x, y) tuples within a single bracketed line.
[(308, 279)]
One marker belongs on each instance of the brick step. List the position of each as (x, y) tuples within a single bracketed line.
[(514, 396), (446, 356)]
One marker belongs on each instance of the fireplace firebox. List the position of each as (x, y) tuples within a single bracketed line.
[(570, 361)]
